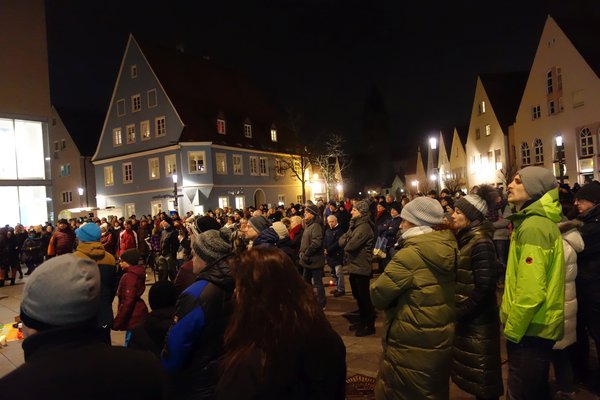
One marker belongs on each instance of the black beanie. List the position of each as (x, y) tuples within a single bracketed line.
[(162, 294), (590, 192), (131, 256)]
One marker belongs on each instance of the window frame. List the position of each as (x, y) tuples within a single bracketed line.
[(117, 137), (148, 97), (247, 130), (157, 121), (221, 126), (168, 157), (266, 166), (189, 159), (150, 167), (224, 159), (525, 154), (66, 197), (111, 174), (121, 106), (129, 139), (238, 169), (124, 172), (65, 169), (488, 129), (538, 151), (253, 171), (136, 99), (133, 71), (589, 143), (274, 134), (146, 123), (223, 201)]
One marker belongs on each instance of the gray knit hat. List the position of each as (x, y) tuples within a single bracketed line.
[(259, 223), (212, 245), (280, 229), (314, 210), (423, 211), (537, 180), (64, 290), (473, 206), (362, 207)]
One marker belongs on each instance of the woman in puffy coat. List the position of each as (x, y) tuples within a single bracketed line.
[(476, 355), (563, 369), (416, 291)]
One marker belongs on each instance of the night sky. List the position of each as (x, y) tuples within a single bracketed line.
[(318, 58)]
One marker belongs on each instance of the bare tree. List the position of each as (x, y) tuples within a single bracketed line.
[(332, 161), (297, 166), (454, 184)]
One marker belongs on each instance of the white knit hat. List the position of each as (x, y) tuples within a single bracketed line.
[(423, 211), (280, 228)]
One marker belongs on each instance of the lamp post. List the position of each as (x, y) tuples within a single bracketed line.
[(415, 183), (434, 176), (175, 202), (80, 191), (560, 155)]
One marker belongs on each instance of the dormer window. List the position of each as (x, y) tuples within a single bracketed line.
[(273, 133), (133, 71), (482, 107), (221, 126), (247, 129)]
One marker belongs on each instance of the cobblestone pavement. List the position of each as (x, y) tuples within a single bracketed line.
[(362, 354)]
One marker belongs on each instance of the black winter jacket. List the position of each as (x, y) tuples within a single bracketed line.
[(331, 243)]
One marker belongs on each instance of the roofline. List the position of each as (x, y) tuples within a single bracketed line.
[(135, 155)]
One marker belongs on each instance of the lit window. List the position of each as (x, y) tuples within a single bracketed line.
[(154, 168), (160, 126), (278, 167), (525, 154), (488, 130), (253, 165), (551, 108), (196, 162), (536, 112), (221, 159), (264, 170), (240, 202), (482, 107), (238, 168), (130, 133), (538, 151), (248, 130), (145, 130), (221, 126), (56, 147), (127, 173), (136, 103), (65, 170), (170, 164), (134, 71), (549, 86), (273, 134), (117, 139), (120, 107), (152, 102), (586, 142), (109, 178), (281, 199), (223, 201)]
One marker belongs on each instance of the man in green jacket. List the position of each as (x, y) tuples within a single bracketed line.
[(533, 303)]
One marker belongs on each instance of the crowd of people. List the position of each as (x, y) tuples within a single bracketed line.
[(237, 310)]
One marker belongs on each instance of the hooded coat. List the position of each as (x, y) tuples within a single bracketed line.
[(476, 355), (416, 291), (132, 309), (311, 246), (534, 289)]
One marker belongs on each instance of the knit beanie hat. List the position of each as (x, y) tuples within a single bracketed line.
[(212, 245), (537, 181), (362, 207), (88, 232), (206, 223), (259, 223), (423, 211), (396, 205), (131, 256), (280, 229), (162, 294), (314, 210), (64, 290), (590, 192)]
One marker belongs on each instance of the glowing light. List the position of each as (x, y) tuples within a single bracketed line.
[(559, 140), (433, 143), (80, 191), (174, 178), (415, 183)]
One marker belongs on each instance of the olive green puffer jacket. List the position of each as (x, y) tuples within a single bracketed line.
[(417, 293), (476, 356)]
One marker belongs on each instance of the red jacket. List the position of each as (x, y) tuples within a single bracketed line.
[(61, 242), (132, 310), (128, 239)]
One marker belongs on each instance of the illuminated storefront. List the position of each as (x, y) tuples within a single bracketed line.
[(24, 172)]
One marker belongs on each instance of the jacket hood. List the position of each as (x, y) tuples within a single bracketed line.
[(572, 236), (267, 236), (438, 249), (138, 270), (218, 273), (485, 229), (363, 219), (95, 251), (546, 206)]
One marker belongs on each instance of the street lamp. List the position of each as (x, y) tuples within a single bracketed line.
[(433, 146), (175, 202), (433, 143), (415, 183), (80, 191), (560, 155)]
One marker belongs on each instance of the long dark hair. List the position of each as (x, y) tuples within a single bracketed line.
[(274, 311)]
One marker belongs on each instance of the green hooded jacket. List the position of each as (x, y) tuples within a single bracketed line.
[(534, 291), (416, 291)]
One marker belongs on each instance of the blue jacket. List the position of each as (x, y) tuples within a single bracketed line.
[(194, 342)]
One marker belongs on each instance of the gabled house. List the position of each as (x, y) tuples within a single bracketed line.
[(180, 124), (561, 101), (495, 106), (417, 182), (458, 159), (73, 136), (25, 184)]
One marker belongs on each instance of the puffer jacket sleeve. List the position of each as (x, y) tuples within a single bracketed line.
[(483, 263), (531, 281), (392, 283), (128, 296)]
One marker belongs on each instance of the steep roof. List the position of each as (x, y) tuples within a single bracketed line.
[(584, 34), (202, 91), (84, 127), (505, 91)]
